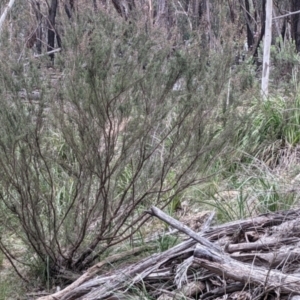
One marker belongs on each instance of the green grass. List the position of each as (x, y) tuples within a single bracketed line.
[(11, 287)]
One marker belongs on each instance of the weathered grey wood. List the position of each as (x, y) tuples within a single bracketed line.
[(252, 224), (91, 272), (5, 13), (271, 259), (183, 228), (233, 287), (129, 275), (247, 273), (269, 244), (209, 256)]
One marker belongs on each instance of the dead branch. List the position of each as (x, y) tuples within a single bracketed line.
[(181, 227), (264, 249)]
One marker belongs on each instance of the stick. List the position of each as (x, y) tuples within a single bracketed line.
[(183, 228), (248, 273)]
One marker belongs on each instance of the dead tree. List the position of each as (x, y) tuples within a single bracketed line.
[(36, 34), (124, 7), (51, 29), (295, 23)]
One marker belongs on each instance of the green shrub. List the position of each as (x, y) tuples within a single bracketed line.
[(112, 137)]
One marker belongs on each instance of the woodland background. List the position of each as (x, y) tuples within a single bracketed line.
[(109, 107)]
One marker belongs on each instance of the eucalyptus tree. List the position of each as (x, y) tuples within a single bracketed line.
[(5, 13), (267, 48), (295, 23)]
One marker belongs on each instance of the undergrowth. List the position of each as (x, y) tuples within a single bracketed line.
[(132, 122)]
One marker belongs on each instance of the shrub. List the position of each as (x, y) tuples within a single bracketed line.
[(80, 165)]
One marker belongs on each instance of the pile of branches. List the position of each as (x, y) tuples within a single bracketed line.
[(256, 258)]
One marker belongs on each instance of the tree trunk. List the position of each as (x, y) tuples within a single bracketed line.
[(295, 23), (95, 5), (250, 35), (209, 31), (51, 28), (262, 31), (267, 46), (161, 13), (39, 31), (231, 10), (68, 8), (124, 7), (6, 11), (196, 13)]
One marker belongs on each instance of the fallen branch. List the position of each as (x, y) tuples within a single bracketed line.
[(265, 265), (247, 273), (287, 15), (47, 53), (91, 272), (154, 211)]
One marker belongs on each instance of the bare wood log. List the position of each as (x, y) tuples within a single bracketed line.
[(247, 273), (129, 275), (261, 245), (272, 259), (207, 223), (106, 286), (91, 272), (183, 228), (252, 224)]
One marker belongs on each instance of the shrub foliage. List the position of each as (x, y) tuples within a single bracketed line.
[(132, 121)]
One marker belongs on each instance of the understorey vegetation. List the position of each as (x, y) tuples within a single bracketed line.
[(127, 111)]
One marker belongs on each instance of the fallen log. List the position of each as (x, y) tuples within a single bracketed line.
[(238, 254), (91, 272), (247, 273)]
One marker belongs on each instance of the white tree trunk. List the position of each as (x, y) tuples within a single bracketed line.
[(209, 24), (267, 46), (6, 11)]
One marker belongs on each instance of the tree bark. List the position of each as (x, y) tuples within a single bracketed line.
[(6, 11), (38, 32), (230, 268), (262, 31), (231, 10), (95, 5), (51, 28), (267, 46), (124, 7), (245, 267), (161, 13), (295, 23), (250, 35), (183, 228), (68, 9), (209, 31), (197, 13)]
